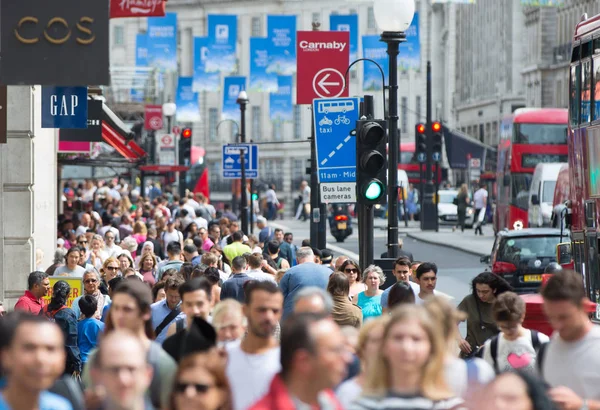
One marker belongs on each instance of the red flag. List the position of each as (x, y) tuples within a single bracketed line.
[(137, 8)]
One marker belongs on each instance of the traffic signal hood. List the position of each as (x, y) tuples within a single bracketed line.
[(420, 138), (437, 138), (371, 177), (185, 147)]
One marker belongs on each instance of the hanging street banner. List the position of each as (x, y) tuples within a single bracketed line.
[(162, 42), (375, 50), (141, 60), (259, 61), (231, 89), (64, 107), (188, 109), (454, 1), (222, 37), (349, 23), (58, 43), (93, 132), (203, 80), (153, 118), (281, 32), (323, 57), (137, 8), (409, 57), (280, 102), (543, 3)]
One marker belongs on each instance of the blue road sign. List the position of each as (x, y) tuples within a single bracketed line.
[(232, 162), (436, 156), (421, 157), (335, 118)]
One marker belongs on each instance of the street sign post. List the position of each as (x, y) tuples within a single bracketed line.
[(166, 149), (338, 193), (335, 121), (322, 60), (232, 163)]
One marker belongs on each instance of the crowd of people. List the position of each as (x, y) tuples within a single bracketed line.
[(182, 310)]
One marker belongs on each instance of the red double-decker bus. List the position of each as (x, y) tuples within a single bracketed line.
[(584, 153), (528, 137)]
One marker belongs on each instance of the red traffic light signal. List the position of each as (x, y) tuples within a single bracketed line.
[(186, 133), (436, 127), (421, 128)]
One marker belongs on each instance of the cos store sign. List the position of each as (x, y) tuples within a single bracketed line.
[(54, 42)]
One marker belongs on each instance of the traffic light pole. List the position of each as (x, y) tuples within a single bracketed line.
[(429, 202), (365, 212), (243, 197)]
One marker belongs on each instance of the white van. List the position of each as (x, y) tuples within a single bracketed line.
[(541, 194)]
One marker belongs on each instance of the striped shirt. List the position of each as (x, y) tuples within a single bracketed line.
[(397, 402)]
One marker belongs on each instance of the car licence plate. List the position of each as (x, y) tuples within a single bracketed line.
[(452, 217), (341, 225), (532, 278)]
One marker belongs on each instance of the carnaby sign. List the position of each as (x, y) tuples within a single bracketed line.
[(137, 8), (327, 45), (59, 42)]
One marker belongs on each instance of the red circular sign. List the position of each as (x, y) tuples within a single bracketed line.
[(156, 123), (328, 83), (176, 130), (166, 140)]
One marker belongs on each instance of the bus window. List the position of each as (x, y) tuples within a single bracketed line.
[(586, 88), (575, 92), (596, 88), (520, 190)]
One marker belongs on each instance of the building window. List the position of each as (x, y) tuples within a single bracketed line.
[(404, 115), (297, 122), (256, 124), (316, 17), (119, 36), (352, 11), (278, 131), (334, 13), (371, 23), (418, 108), (256, 27), (213, 119)]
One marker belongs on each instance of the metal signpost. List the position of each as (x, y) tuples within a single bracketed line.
[(232, 161), (166, 150)]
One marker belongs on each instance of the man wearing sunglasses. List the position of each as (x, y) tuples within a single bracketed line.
[(91, 287)]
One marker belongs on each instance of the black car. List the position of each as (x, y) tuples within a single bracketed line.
[(520, 256)]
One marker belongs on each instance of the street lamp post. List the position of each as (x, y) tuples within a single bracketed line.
[(393, 17), (242, 100), (169, 109)]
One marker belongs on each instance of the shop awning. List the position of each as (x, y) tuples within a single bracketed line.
[(460, 147), (117, 135)]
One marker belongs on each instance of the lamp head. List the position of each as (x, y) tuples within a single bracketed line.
[(169, 109), (242, 97), (393, 15)]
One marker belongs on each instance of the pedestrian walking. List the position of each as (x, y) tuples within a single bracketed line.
[(89, 328), (167, 311), (272, 202), (480, 201), (370, 300), (352, 271), (38, 286), (303, 211), (234, 286), (344, 312), (462, 202)]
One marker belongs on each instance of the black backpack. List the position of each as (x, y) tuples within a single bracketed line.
[(535, 342)]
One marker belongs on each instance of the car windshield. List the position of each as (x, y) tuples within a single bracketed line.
[(519, 250), (548, 192), (447, 197)]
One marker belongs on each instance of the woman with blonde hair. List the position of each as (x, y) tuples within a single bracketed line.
[(147, 267), (369, 344), (229, 321), (408, 369), (462, 376)]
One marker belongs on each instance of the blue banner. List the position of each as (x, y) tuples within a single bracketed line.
[(141, 60), (376, 51), (282, 48), (162, 42), (259, 61), (410, 50), (280, 102), (231, 88), (64, 107), (338, 22), (203, 80), (222, 37), (188, 109)]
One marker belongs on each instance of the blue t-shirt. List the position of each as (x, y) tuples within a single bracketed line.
[(88, 331), (370, 305), (48, 401)]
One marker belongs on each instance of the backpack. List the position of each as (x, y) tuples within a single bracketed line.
[(535, 342), (51, 315)]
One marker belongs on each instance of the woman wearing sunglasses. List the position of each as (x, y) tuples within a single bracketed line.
[(91, 286), (354, 275), (201, 383), (109, 271)]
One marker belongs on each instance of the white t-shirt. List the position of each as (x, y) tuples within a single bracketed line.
[(479, 198), (514, 355), (250, 375), (347, 392), (456, 375), (65, 271), (168, 237), (260, 275), (574, 364)]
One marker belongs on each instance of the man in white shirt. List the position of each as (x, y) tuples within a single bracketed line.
[(255, 264), (253, 363), (569, 363), (426, 278), (401, 268), (272, 202), (480, 202)]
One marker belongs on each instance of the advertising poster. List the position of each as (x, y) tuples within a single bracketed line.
[(141, 60), (203, 80), (188, 109), (280, 102), (259, 61), (338, 22), (222, 38), (162, 42), (376, 51), (231, 89), (76, 285), (410, 51), (282, 48)]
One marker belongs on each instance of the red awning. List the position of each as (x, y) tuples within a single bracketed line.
[(128, 149)]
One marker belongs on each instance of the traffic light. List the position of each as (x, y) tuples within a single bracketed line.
[(371, 177), (437, 138), (185, 147), (255, 196), (421, 141)]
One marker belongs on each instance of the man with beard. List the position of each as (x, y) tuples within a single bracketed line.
[(253, 364)]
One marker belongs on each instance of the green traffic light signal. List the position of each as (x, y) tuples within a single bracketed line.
[(374, 190), (255, 197)]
